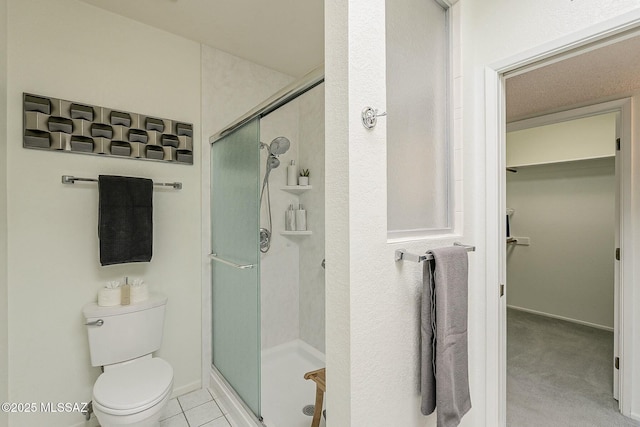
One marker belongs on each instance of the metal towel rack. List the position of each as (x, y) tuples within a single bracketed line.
[(215, 257), (403, 255), (69, 179)]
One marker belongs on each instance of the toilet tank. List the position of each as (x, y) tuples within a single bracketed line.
[(126, 331)]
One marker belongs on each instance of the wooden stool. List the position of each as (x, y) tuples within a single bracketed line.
[(318, 377)]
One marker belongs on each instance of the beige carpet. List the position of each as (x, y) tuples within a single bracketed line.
[(559, 374)]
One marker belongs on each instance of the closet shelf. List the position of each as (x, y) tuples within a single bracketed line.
[(296, 189), (560, 162), (296, 233), (519, 241)]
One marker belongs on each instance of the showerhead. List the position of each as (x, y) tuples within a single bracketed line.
[(273, 162), (279, 145)]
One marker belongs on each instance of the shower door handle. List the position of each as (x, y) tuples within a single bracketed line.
[(232, 264)]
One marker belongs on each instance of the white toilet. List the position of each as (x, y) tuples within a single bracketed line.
[(135, 387)]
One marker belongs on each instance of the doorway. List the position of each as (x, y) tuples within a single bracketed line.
[(497, 76), (561, 195)]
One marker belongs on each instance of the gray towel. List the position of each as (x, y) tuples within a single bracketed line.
[(444, 360)]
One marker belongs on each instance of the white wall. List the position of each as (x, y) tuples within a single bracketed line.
[(337, 191), (279, 267), (372, 311), (291, 276), (584, 138), (312, 248), (70, 50), (568, 211), (231, 86), (493, 32), (4, 380)]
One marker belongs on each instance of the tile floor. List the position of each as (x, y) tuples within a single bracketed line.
[(194, 409)]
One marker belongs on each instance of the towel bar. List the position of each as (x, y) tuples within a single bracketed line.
[(215, 257), (403, 255), (69, 179)]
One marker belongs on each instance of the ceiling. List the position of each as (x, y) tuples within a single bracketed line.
[(601, 74), (284, 35), (288, 36)]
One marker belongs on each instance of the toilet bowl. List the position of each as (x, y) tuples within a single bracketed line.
[(133, 394)]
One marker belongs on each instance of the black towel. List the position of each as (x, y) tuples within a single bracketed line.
[(125, 219)]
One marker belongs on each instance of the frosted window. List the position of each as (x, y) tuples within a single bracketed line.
[(418, 153)]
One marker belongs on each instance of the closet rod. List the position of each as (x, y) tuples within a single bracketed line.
[(403, 255), (69, 179)]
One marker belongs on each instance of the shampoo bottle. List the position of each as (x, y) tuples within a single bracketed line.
[(301, 219), (292, 173), (290, 219)]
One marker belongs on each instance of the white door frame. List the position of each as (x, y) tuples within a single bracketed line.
[(495, 160)]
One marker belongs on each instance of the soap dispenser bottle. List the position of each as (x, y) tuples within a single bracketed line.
[(290, 219), (301, 218), (292, 173)]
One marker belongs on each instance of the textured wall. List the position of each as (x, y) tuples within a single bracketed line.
[(373, 302), (312, 248), (61, 49)]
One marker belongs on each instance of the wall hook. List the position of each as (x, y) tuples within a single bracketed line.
[(370, 117)]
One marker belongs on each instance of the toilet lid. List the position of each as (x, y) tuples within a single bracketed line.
[(135, 386)]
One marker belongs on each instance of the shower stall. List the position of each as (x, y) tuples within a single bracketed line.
[(267, 283)]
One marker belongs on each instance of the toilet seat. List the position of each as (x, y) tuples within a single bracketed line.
[(133, 387)]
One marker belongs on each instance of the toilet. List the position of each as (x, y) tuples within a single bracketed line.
[(134, 387)]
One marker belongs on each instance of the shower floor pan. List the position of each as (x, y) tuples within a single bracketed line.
[(285, 392)]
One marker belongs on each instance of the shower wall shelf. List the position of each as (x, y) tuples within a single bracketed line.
[(296, 233), (65, 126), (296, 189)]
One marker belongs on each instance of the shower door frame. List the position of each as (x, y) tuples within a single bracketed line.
[(235, 258)]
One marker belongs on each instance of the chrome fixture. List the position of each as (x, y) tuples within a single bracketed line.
[(282, 97), (403, 255), (68, 179), (370, 117), (98, 322), (215, 257), (278, 146)]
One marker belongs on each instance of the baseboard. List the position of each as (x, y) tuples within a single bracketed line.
[(93, 422), (554, 316), (179, 391)]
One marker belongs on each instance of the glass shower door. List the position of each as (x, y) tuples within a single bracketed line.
[(235, 217)]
